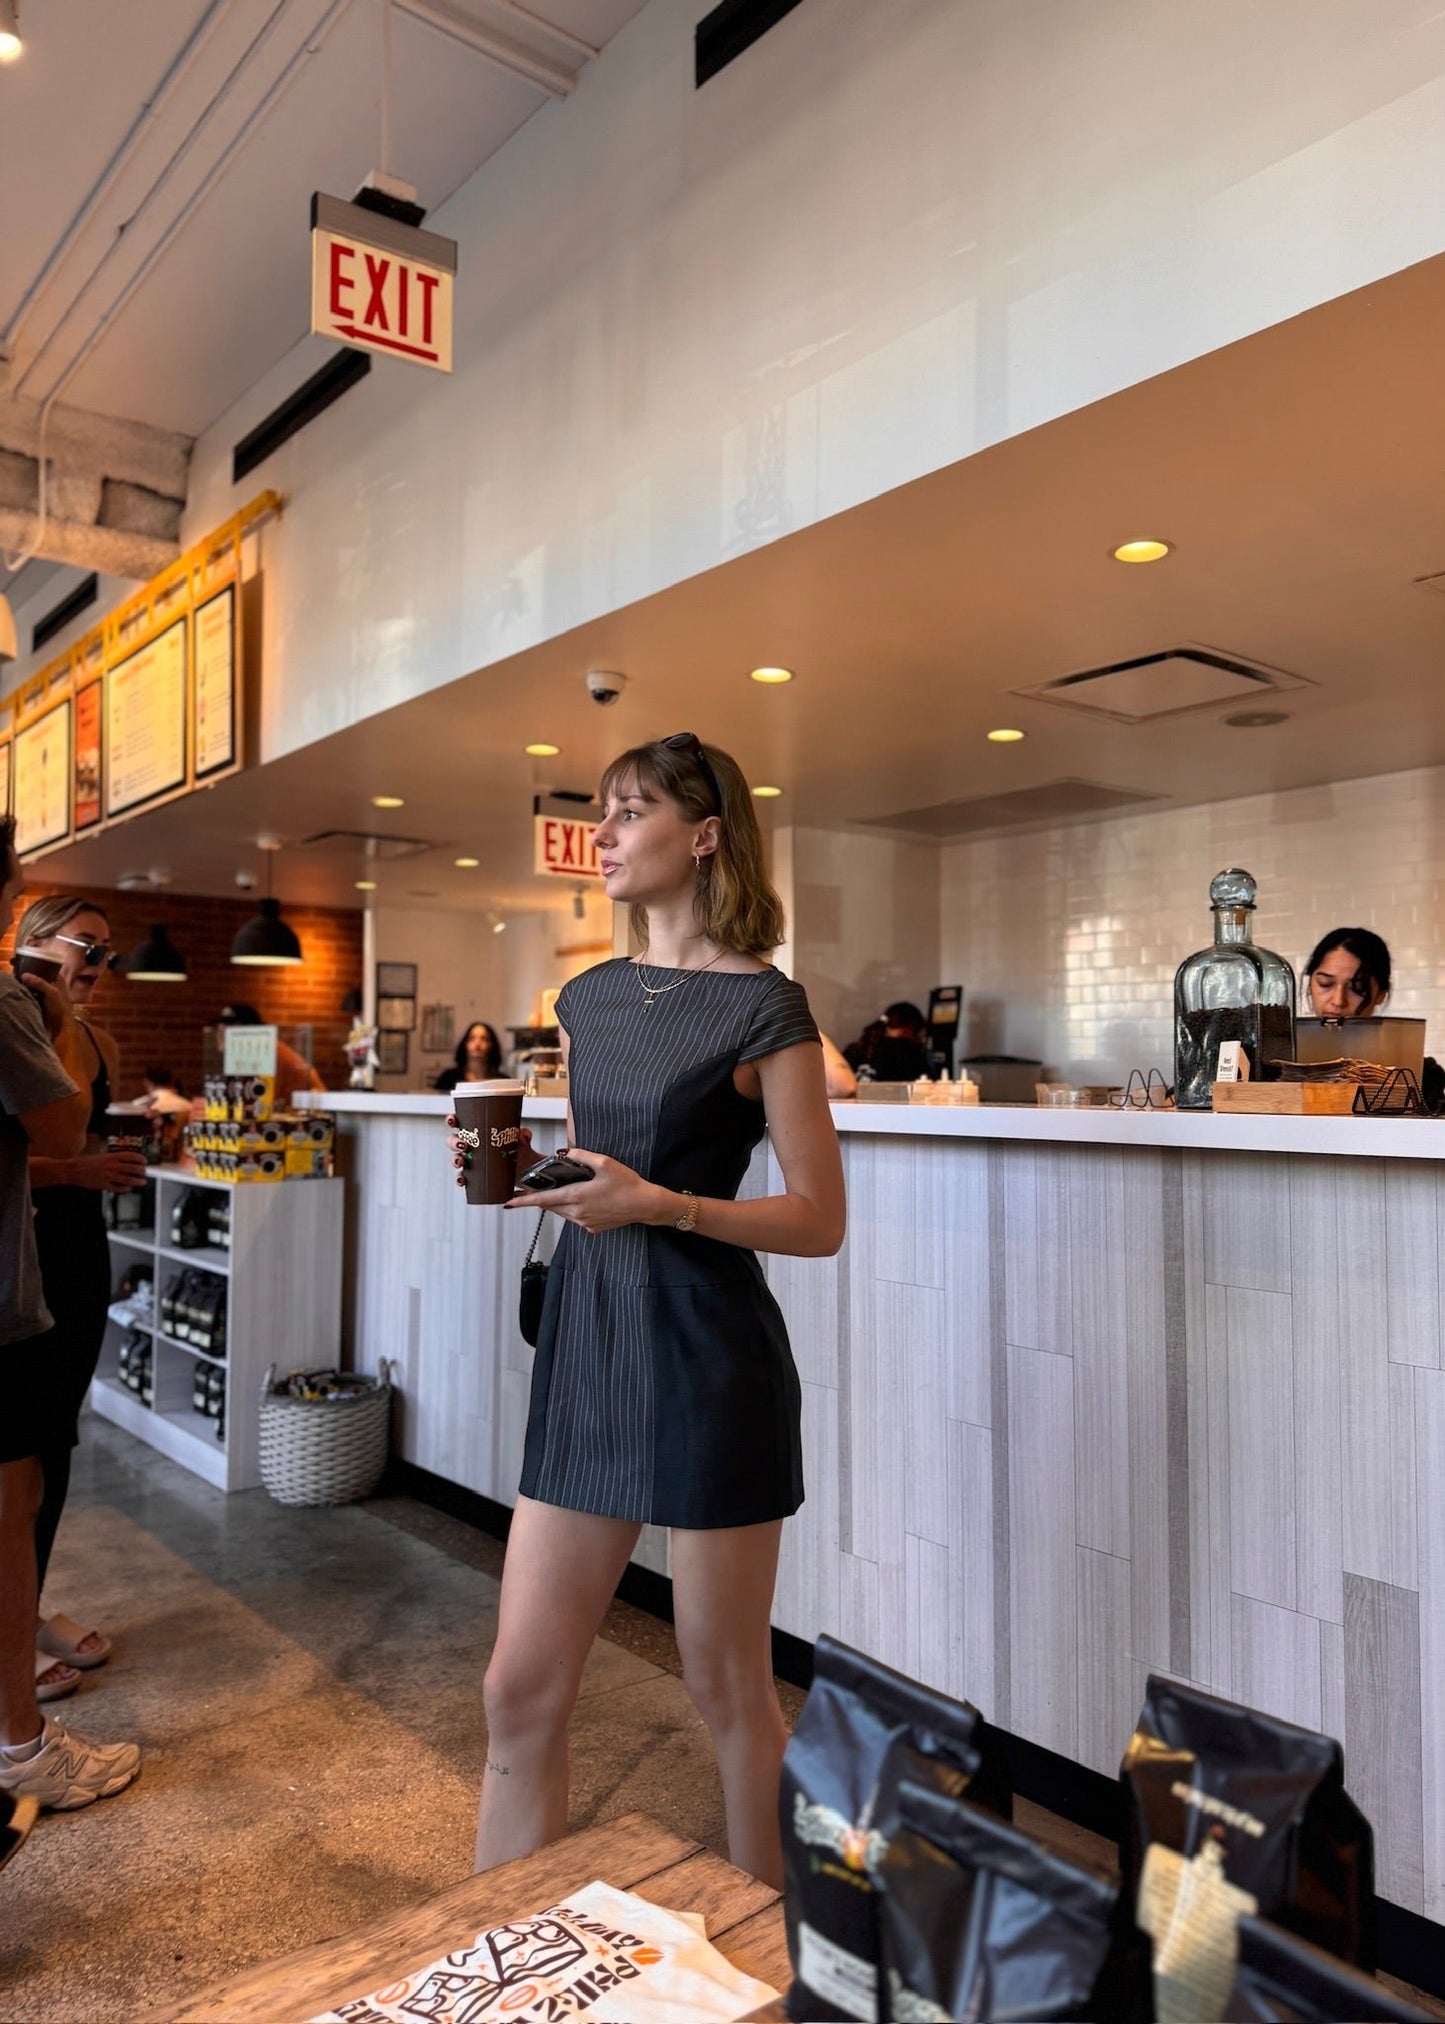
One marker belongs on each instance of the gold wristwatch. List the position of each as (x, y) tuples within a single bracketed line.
[(688, 1219)]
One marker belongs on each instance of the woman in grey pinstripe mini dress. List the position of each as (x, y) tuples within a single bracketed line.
[(663, 1390)]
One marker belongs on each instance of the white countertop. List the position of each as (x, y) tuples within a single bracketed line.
[(1409, 1138)]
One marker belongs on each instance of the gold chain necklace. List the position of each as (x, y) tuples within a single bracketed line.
[(652, 992)]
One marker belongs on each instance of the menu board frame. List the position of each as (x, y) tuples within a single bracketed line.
[(177, 782), (227, 595), (45, 721)]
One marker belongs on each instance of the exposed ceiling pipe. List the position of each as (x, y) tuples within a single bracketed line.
[(533, 70), (311, 47), (105, 182), (218, 98), (563, 35)]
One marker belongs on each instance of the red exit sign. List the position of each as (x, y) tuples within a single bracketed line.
[(381, 285), (565, 848)]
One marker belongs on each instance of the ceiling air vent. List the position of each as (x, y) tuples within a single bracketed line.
[(1166, 684), (1024, 808), (380, 849)]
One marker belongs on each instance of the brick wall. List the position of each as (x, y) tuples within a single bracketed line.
[(163, 1022)]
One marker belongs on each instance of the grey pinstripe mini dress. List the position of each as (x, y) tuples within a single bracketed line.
[(664, 1388)]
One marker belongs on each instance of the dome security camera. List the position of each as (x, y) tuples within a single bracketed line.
[(604, 687), (247, 881)]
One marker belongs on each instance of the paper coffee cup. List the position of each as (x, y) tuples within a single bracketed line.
[(489, 1125), (35, 963)]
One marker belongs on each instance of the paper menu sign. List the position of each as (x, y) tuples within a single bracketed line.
[(602, 1954)]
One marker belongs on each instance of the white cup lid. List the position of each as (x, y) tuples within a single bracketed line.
[(501, 1087)]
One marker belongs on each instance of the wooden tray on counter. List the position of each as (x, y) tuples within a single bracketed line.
[(1287, 1099)]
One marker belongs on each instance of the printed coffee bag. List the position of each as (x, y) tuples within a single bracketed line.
[(979, 1921), (1230, 1812), (863, 1729), (1282, 1979)]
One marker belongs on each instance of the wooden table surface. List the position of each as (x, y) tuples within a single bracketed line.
[(744, 1921)]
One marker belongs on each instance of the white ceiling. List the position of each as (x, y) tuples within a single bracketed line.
[(1298, 474), (294, 88)]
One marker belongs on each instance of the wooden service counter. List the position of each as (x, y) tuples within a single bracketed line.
[(1086, 1394)]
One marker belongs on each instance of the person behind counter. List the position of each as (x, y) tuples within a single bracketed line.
[(293, 1070), (478, 1058), (1347, 974), (895, 1047)]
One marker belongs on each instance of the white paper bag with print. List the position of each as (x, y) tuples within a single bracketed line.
[(602, 1954)]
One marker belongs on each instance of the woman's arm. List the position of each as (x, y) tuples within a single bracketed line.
[(807, 1221), (838, 1078)]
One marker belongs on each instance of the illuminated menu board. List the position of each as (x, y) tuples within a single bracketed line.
[(145, 723), (42, 780)]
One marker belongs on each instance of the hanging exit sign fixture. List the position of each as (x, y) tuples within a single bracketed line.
[(381, 285)]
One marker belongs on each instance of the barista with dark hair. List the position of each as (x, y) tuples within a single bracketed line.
[(1347, 974)]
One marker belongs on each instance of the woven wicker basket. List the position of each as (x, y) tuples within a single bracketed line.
[(324, 1451)]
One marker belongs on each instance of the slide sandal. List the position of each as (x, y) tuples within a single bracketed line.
[(66, 1680), (61, 1636)]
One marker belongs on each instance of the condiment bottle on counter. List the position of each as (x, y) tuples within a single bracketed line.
[(1233, 990)]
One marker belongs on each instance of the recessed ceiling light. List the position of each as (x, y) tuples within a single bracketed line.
[(466, 863), (10, 43), (1142, 551), (1004, 737), (366, 885), (499, 927), (767, 793), (1256, 720), (542, 751), (387, 801), (771, 676)]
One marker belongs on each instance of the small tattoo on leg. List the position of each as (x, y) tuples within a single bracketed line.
[(501, 1770)]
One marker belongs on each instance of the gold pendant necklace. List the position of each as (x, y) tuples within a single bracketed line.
[(652, 992)]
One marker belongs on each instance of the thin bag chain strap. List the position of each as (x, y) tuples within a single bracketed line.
[(535, 1235)]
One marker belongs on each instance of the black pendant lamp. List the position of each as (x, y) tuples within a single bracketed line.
[(266, 943), (156, 960)]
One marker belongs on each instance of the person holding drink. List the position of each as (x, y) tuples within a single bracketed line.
[(74, 935), (663, 1390)]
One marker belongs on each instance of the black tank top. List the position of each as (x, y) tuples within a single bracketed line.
[(60, 1210)]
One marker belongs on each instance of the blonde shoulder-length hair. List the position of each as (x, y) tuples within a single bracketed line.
[(735, 904), (52, 916)]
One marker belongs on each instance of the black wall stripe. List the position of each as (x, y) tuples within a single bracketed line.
[(54, 621), (732, 27), (310, 399)]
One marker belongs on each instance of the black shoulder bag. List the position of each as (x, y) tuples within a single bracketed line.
[(533, 1290)]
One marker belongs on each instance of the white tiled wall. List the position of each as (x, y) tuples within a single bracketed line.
[(1066, 941)]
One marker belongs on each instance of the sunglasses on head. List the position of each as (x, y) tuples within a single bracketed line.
[(96, 953), (689, 742)]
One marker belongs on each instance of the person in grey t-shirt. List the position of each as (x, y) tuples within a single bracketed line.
[(45, 1108)]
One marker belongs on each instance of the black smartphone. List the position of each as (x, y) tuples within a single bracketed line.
[(556, 1172)]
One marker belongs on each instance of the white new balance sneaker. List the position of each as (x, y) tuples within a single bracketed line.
[(69, 1770)]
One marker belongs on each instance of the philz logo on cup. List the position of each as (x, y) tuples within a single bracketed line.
[(489, 1124)]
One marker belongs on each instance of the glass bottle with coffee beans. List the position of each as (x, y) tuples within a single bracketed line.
[(1233, 990)]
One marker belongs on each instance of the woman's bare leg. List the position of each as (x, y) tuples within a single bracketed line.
[(722, 1584), (560, 1573)]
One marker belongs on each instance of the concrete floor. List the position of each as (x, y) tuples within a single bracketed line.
[(306, 1688)]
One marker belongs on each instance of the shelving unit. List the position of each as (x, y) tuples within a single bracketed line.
[(283, 1306)]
